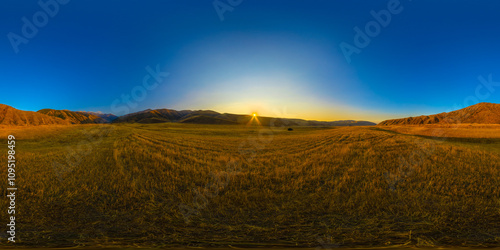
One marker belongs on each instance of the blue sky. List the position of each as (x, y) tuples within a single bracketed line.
[(276, 58)]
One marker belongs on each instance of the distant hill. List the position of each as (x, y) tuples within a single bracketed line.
[(14, 117), (212, 117), (153, 116), (107, 117), (74, 117), (482, 113)]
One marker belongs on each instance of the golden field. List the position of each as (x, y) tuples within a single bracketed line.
[(213, 185), (450, 130)]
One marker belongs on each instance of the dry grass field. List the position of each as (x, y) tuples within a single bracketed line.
[(450, 130), (213, 185)]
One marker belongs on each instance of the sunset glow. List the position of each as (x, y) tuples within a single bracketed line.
[(288, 59)]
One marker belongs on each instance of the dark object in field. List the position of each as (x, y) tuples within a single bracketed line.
[(290, 129)]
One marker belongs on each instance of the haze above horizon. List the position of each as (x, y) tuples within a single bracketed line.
[(317, 60)]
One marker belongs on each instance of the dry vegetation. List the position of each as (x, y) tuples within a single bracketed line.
[(245, 186), (450, 130)]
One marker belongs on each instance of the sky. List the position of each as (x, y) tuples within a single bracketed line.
[(315, 59)]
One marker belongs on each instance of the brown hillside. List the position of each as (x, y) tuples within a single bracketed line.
[(481, 113), (73, 117), (14, 117)]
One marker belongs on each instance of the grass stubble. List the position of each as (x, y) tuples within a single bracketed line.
[(124, 185)]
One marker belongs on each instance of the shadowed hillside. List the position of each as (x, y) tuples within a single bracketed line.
[(481, 113), (107, 117), (11, 116), (74, 117)]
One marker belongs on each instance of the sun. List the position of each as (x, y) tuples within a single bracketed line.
[(254, 119)]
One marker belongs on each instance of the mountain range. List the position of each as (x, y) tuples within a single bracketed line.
[(12, 116), (482, 113)]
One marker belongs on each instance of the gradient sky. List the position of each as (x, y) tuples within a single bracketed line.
[(276, 58)]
